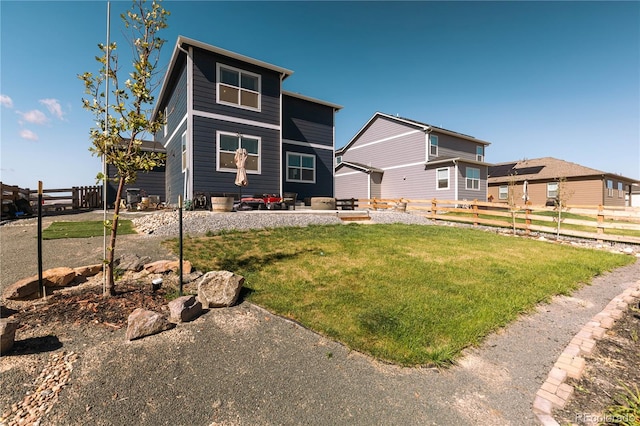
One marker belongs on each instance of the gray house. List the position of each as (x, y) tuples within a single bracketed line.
[(217, 101), (394, 157)]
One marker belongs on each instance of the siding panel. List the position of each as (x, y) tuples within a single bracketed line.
[(307, 121), (351, 184), (323, 187)]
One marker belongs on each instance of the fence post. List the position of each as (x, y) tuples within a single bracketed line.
[(75, 200), (474, 205), (434, 208), (600, 225), (527, 219)]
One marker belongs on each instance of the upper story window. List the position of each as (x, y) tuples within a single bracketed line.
[(338, 159), (228, 143), (301, 167), (480, 153), (503, 192), (184, 152), (433, 145), (473, 178), (609, 188), (552, 190), (620, 190), (238, 88), (443, 178)]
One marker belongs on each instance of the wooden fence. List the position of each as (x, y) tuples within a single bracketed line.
[(77, 197), (621, 224)]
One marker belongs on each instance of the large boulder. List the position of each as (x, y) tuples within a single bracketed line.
[(132, 262), (89, 270), (142, 322), (58, 277), (217, 289), (26, 288), (162, 266), (8, 327), (184, 309)]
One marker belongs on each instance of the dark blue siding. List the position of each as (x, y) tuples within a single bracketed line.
[(152, 183), (307, 121), (174, 178), (324, 172), (204, 94), (208, 180)]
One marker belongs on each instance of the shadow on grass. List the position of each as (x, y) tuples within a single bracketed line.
[(255, 263)]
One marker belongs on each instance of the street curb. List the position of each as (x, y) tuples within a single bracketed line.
[(554, 392)]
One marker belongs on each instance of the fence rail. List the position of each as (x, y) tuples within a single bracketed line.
[(620, 224), (17, 200)]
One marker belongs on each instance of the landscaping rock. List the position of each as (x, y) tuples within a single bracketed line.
[(143, 323), (217, 289), (88, 271), (162, 266), (58, 277), (26, 288), (185, 308), (8, 327), (132, 262)]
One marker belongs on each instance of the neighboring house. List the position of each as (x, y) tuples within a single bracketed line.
[(149, 183), (547, 178), (217, 101), (393, 157)]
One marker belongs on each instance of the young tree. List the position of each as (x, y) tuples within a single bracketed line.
[(118, 138)]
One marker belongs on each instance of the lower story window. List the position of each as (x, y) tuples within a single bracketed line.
[(301, 167), (443, 178), (503, 192), (552, 190), (228, 143), (473, 178)]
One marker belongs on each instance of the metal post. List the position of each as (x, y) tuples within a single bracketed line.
[(104, 159), (40, 282), (180, 226)]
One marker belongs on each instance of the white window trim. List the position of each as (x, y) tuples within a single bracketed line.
[(240, 71), (184, 148), (479, 157), (301, 155), (448, 179), (555, 190), (503, 192), (468, 179), (238, 135), (437, 145), (166, 123)]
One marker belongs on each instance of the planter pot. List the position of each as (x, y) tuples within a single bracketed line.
[(323, 203), (221, 204)]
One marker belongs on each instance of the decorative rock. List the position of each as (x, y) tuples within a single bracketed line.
[(217, 289), (184, 308), (162, 266), (8, 327), (58, 277), (88, 271), (25, 288), (142, 322), (132, 262)]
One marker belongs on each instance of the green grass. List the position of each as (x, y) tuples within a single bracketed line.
[(83, 229), (412, 295)]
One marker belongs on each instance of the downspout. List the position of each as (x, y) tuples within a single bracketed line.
[(333, 157), (282, 166), (188, 182), (455, 171)]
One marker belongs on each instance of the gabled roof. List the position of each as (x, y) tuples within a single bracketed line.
[(179, 50), (413, 123), (359, 166), (546, 168)]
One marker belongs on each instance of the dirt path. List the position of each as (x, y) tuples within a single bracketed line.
[(245, 366)]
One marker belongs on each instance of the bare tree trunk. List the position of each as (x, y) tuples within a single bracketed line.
[(110, 284)]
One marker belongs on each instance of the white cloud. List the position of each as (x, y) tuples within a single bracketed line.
[(6, 101), (34, 116), (28, 134), (54, 107)]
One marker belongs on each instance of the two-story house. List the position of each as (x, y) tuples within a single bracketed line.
[(394, 157), (216, 101)]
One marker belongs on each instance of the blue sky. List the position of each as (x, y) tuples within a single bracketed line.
[(535, 79)]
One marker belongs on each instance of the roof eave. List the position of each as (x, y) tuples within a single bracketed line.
[(314, 100)]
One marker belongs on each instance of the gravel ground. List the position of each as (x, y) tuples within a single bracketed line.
[(245, 366)]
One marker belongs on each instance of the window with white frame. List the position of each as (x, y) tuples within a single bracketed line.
[(228, 143), (552, 189), (238, 88), (473, 178), (301, 167), (609, 188), (338, 159), (185, 164), (620, 190), (480, 153), (443, 178), (503, 192), (433, 145)]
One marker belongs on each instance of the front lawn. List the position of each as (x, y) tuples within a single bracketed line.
[(412, 295), (85, 229)]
